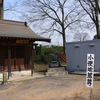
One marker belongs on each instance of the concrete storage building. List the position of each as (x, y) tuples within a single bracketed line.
[(76, 54)]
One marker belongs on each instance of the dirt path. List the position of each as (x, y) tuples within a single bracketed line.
[(70, 87)]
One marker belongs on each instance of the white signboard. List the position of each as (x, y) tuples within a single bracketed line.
[(90, 70)]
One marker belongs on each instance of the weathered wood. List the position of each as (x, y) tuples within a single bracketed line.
[(1, 58), (26, 57), (14, 57), (22, 41), (31, 58), (9, 60), (32, 68)]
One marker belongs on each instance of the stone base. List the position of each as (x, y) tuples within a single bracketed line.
[(5, 78), (56, 71)]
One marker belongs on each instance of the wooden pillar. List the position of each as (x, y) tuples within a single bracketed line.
[(31, 58), (9, 60), (32, 68)]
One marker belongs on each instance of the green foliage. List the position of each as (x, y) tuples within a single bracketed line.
[(95, 37), (40, 71), (44, 54)]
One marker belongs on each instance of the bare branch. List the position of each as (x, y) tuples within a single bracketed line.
[(54, 13), (81, 36), (85, 9), (92, 8)]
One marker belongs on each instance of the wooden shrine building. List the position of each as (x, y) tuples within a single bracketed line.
[(16, 46)]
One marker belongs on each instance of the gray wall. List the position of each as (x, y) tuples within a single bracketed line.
[(76, 54)]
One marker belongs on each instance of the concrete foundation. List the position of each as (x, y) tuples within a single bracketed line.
[(59, 71)]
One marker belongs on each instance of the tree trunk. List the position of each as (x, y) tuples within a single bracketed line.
[(64, 40), (1, 9), (97, 25), (98, 33), (97, 19)]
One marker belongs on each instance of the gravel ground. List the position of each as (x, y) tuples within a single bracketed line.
[(69, 87)]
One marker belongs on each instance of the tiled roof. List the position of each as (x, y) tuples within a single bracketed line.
[(16, 29)]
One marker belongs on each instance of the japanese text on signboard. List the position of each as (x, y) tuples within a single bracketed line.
[(90, 70)]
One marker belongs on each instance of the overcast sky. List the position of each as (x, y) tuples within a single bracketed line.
[(11, 15)]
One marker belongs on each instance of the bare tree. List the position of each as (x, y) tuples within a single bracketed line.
[(56, 15), (1, 9), (15, 7), (92, 8), (81, 36)]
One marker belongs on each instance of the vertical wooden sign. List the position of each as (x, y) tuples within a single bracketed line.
[(90, 72)]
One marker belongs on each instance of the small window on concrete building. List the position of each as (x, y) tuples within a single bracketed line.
[(77, 45), (92, 44)]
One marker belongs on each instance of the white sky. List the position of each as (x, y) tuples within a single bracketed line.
[(11, 15), (56, 40)]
